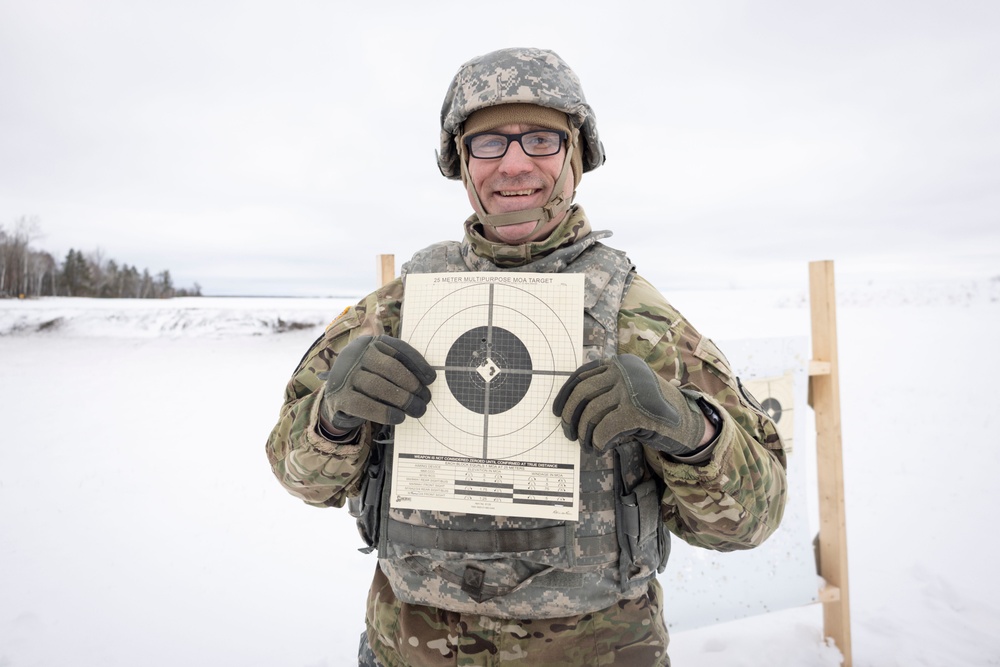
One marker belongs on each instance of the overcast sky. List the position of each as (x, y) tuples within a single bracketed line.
[(277, 148)]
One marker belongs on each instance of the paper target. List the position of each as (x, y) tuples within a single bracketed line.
[(502, 344), (775, 395)]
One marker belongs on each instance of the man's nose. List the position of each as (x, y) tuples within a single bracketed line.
[(516, 161)]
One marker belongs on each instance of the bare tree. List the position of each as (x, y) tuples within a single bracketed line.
[(4, 241), (14, 255), (98, 273), (145, 285), (40, 265)]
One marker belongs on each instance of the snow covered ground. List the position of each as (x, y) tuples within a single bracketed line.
[(140, 524)]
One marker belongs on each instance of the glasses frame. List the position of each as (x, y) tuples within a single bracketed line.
[(511, 138)]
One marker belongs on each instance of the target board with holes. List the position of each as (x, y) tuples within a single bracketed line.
[(502, 345)]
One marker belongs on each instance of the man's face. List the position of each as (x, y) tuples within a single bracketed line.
[(517, 182)]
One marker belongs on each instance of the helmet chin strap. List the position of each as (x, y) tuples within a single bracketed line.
[(556, 206)]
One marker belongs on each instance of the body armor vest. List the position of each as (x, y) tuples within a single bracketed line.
[(517, 567)]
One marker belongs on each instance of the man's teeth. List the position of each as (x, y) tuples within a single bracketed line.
[(515, 193)]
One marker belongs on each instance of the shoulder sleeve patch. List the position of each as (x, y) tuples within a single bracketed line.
[(347, 320), (342, 313)]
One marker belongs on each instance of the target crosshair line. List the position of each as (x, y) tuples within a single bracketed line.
[(497, 372)]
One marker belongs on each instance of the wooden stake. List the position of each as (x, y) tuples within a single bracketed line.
[(385, 269), (825, 391)]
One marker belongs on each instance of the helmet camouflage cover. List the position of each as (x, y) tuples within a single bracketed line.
[(512, 76)]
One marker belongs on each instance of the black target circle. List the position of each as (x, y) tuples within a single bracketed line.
[(488, 370), (773, 409)]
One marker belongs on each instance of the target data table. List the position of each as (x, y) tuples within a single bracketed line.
[(485, 485)]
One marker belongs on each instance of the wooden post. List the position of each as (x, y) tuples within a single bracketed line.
[(385, 269), (824, 384)]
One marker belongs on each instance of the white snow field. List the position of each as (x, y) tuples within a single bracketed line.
[(140, 523)]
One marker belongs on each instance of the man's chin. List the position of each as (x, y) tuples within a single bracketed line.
[(515, 234)]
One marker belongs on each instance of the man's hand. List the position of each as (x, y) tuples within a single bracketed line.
[(375, 378), (607, 402)]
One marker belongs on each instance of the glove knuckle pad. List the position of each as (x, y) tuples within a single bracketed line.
[(382, 391), (644, 391), (408, 357), (393, 372), (346, 363)]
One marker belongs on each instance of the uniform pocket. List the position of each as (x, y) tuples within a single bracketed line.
[(712, 356)]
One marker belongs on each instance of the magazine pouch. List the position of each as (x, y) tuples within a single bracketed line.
[(366, 507), (641, 537)]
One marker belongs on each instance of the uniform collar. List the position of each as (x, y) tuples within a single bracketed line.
[(571, 230)]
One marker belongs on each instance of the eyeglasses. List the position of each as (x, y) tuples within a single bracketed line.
[(493, 145)]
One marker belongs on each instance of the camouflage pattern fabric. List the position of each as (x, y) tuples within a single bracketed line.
[(734, 501), (515, 76), (366, 657), (631, 633)]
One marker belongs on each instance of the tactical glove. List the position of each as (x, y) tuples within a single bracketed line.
[(610, 401), (376, 378)]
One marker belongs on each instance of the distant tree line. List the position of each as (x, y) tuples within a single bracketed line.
[(26, 272)]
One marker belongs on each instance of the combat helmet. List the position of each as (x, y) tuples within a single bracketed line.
[(517, 76)]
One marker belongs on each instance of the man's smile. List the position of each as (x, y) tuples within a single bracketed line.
[(516, 193)]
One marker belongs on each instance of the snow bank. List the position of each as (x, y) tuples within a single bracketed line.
[(253, 316), (172, 318)]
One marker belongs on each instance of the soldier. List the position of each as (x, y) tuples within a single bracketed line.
[(670, 440)]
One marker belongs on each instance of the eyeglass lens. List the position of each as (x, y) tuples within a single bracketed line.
[(537, 143)]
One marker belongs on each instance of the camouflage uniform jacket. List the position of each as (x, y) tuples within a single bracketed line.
[(734, 501)]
